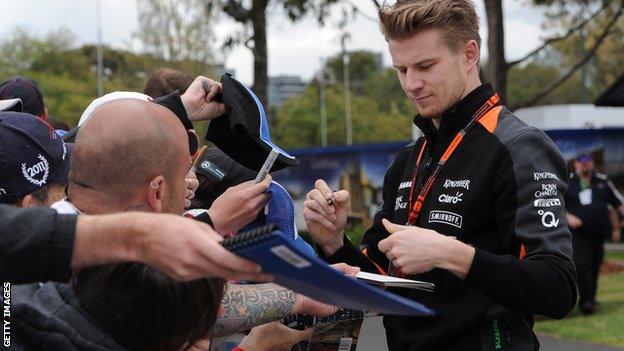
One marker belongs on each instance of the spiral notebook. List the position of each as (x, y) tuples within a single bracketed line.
[(297, 270)]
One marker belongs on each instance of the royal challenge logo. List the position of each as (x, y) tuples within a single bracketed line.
[(37, 173)]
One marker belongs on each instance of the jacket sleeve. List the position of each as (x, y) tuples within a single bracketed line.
[(536, 274), (368, 257), (615, 198), (36, 244), (174, 103)]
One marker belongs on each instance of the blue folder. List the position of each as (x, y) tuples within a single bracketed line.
[(301, 272)]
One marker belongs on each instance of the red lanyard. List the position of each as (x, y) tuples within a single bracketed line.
[(416, 207)]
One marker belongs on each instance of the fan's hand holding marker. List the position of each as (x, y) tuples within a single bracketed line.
[(266, 167)]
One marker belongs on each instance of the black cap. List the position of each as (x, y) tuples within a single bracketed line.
[(27, 90), (32, 156), (243, 132)]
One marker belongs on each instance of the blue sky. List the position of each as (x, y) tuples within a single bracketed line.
[(293, 48)]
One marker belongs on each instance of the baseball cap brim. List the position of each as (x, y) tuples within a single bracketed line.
[(64, 168), (243, 132), (11, 105)]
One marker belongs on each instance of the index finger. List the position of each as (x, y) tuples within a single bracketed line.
[(259, 188), (323, 188), (386, 244), (214, 90), (305, 334)]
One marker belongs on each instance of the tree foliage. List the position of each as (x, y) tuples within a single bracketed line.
[(380, 110), (67, 74)]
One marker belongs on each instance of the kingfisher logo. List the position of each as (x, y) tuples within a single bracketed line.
[(448, 183)]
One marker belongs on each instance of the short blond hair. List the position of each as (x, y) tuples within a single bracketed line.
[(457, 19)]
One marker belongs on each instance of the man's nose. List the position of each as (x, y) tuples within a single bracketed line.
[(413, 81)]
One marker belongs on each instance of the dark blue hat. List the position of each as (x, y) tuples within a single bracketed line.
[(28, 91), (243, 132), (31, 156)]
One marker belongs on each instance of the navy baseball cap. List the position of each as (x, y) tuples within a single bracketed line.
[(27, 90), (243, 132), (32, 156), (584, 158)]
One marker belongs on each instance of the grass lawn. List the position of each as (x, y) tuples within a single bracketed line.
[(604, 327)]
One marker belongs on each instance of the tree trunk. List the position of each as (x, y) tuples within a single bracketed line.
[(258, 19), (497, 66)]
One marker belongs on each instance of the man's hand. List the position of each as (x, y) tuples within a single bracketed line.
[(274, 337), (182, 248), (418, 250), (201, 105), (573, 221), (304, 304), (239, 205), (192, 183), (616, 235), (326, 222), (344, 268)]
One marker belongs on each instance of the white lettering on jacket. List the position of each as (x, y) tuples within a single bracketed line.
[(465, 183), (445, 217)]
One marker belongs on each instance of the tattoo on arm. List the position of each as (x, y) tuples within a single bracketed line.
[(246, 306)]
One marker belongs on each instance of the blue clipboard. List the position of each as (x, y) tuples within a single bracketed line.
[(297, 270)]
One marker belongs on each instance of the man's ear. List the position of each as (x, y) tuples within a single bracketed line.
[(155, 193), (471, 54), (28, 201)]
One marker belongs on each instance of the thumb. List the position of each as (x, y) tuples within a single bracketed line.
[(306, 334), (392, 227)]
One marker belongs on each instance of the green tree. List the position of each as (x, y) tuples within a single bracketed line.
[(67, 74), (380, 110)]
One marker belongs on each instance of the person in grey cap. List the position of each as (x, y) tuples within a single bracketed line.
[(34, 161)]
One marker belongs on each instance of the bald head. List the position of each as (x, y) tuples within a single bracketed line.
[(124, 144)]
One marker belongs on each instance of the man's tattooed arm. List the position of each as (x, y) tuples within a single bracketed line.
[(246, 306)]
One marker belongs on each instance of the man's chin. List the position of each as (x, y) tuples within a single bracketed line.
[(428, 113)]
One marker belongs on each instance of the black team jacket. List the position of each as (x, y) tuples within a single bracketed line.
[(501, 191)]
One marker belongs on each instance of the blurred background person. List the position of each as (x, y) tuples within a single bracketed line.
[(27, 90), (592, 202), (165, 81)]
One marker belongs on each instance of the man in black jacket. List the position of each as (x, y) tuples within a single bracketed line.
[(478, 198), (592, 202)]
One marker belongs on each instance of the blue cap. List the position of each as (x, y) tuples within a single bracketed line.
[(243, 132), (281, 212), (32, 156)]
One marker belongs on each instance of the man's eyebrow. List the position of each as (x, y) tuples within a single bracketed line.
[(417, 63)]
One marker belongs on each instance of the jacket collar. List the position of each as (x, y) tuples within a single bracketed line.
[(456, 117)]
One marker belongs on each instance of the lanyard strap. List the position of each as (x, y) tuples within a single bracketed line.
[(416, 207)]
